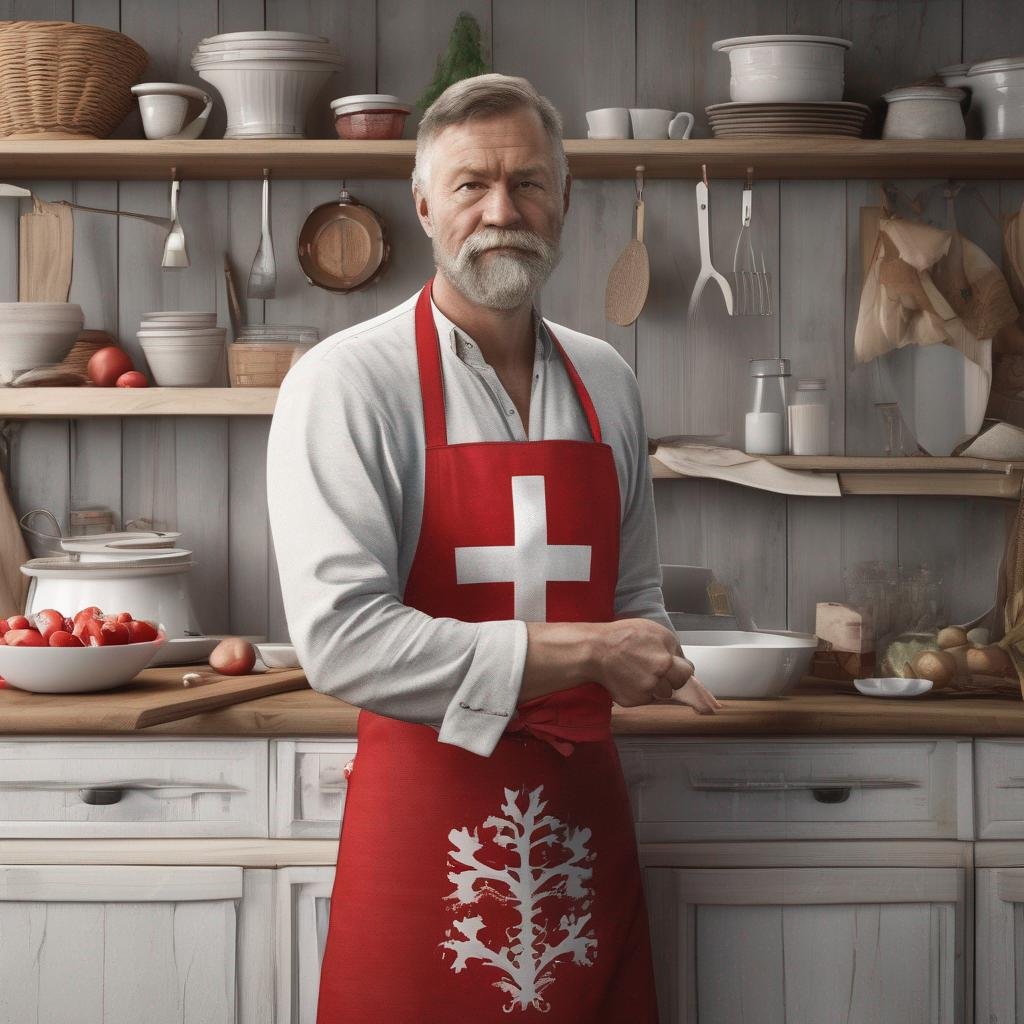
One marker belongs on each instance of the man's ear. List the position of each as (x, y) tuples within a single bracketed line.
[(423, 211)]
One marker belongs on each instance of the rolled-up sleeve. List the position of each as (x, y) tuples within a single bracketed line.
[(334, 491), (638, 593)]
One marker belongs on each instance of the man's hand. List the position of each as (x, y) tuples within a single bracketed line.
[(640, 662)]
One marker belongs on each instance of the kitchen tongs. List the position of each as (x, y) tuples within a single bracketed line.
[(707, 270)]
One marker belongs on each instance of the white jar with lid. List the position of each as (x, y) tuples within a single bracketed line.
[(808, 418), (765, 424)]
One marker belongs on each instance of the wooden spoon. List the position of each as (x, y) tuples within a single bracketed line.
[(630, 277)]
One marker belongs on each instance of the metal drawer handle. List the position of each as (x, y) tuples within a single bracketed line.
[(101, 795), (831, 794)]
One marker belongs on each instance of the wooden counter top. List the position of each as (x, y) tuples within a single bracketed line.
[(816, 707)]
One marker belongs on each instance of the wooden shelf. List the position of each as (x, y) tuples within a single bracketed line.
[(907, 475), (780, 157), (69, 402)]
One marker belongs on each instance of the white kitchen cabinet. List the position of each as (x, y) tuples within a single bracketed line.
[(808, 945), (69, 788), (123, 944), (303, 902), (308, 787)]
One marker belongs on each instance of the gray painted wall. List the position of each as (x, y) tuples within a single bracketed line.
[(205, 476)]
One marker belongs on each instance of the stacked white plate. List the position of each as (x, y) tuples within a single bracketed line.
[(34, 334), (838, 118), (184, 348), (267, 79)]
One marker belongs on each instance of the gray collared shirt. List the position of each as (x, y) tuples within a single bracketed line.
[(345, 473)]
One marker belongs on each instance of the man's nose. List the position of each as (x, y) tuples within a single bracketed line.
[(500, 209)]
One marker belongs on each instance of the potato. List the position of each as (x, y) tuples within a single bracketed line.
[(990, 661), (938, 666), (233, 656), (959, 654), (951, 636)]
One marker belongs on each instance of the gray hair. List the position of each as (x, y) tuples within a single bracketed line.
[(480, 96)]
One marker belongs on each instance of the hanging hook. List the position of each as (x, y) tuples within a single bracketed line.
[(750, 177), (640, 183)]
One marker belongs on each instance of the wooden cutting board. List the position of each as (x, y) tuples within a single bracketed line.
[(154, 697), (45, 248)]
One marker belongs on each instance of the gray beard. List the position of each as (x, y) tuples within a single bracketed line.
[(502, 280)]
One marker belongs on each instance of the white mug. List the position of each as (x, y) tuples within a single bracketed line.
[(164, 107), (608, 123), (653, 123)]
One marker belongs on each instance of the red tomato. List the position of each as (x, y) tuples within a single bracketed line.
[(90, 632), (4, 626), (140, 632), (62, 638), (69, 624), (113, 633), (125, 617), (24, 638), (107, 364), (18, 622), (82, 618), (132, 379), (48, 621)]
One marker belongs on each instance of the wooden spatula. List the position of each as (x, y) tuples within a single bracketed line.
[(630, 277)]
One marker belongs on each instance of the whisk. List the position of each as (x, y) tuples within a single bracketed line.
[(751, 282)]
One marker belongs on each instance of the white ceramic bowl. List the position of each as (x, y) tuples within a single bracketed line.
[(270, 58), (747, 666), (268, 99), (76, 669), (258, 35), (182, 314), (785, 68), (182, 367), (35, 312), (277, 655), (924, 112)]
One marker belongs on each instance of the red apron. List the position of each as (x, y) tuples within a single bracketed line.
[(470, 889)]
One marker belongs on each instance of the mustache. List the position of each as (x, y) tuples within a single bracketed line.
[(495, 238)]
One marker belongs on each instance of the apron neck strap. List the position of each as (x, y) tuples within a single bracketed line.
[(428, 357)]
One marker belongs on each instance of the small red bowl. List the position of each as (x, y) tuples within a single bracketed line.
[(371, 124)]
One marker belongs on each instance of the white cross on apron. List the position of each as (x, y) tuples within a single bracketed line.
[(530, 562)]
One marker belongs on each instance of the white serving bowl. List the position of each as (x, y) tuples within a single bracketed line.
[(49, 312), (267, 99), (785, 68), (259, 35), (277, 655), (27, 341), (924, 112), (747, 666), (184, 366), (272, 58), (77, 669)]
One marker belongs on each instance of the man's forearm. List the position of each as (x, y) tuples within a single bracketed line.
[(559, 655)]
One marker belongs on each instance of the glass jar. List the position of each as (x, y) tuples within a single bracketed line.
[(765, 430), (808, 418)]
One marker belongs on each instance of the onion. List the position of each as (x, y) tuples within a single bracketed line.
[(951, 636), (233, 656), (938, 666), (990, 661)]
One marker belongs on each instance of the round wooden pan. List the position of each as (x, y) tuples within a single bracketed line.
[(342, 245)]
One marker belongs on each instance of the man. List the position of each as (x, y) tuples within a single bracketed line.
[(462, 513)]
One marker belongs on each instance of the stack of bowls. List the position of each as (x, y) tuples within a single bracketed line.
[(184, 349), (267, 79), (34, 334)]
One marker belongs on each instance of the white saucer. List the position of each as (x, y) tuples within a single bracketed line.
[(893, 687)]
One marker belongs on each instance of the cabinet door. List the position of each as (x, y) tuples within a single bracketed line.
[(999, 945), (807, 945), (303, 912), (83, 944)]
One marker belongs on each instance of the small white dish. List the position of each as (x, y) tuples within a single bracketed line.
[(893, 686), (276, 655)]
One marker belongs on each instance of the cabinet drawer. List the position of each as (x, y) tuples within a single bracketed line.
[(113, 788), (308, 787), (685, 789), (999, 790)]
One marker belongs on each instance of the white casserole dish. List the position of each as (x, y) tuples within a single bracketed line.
[(747, 665), (785, 68)]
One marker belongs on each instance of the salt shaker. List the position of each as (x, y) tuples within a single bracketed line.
[(765, 425), (808, 418)]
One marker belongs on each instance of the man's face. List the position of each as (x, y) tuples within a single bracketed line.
[(494, 207)]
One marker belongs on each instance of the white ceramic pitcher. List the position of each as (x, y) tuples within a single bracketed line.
[(164, 107)]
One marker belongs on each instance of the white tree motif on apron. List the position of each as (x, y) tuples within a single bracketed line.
[(528, 960)]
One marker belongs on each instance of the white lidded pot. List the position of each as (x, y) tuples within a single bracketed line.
[(924, 112), (997, 93), (151, 584), (785, 68)]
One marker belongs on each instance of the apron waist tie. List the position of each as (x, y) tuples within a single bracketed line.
[(563, 719)]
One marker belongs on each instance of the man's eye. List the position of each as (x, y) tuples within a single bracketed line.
[(532, 184), (468, 184)]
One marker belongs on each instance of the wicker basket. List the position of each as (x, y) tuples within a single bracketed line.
[(259, 366), (61, 80)]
